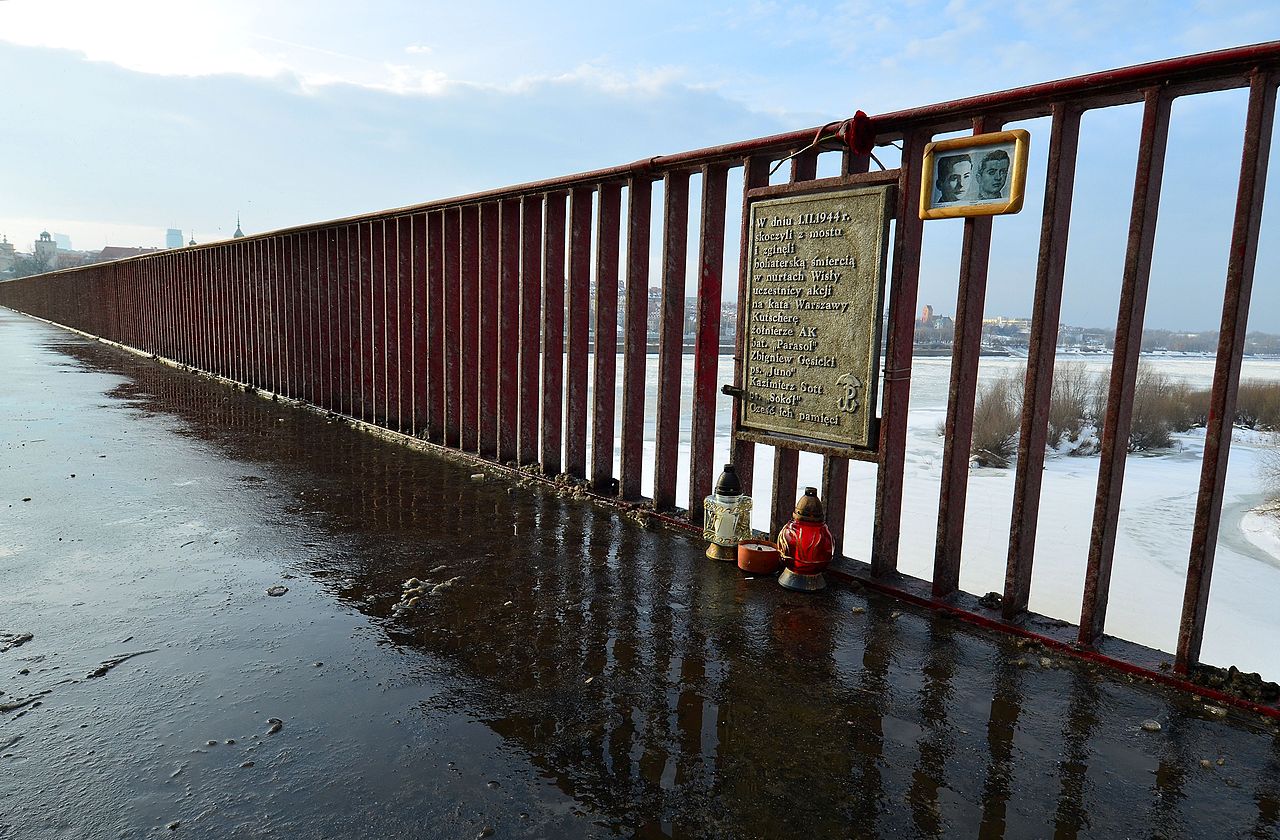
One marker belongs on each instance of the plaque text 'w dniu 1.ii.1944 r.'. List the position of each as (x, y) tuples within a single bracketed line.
[(812, 346)]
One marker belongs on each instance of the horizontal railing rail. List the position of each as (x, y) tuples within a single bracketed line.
[(466, 321)]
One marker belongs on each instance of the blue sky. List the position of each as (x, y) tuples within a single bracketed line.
[(129, 117)]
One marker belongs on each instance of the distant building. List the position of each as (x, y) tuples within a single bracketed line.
[(926, 314), (63, 240), (173, 238), (45, 251), (239, 233), (193, 238), (119, 252), (6, 257)]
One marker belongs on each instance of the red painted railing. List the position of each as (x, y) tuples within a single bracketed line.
[(465, 321)]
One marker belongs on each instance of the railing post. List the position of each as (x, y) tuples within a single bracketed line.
[(1259, 121), (553, 286), (1124, 363), (706, 351), (903, 284), (636, 338), (606, 337), (962, 393), (755, 174), (675, 241), (1038, 390), (579, 310)]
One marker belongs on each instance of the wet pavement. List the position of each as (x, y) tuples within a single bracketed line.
[(582, 676)]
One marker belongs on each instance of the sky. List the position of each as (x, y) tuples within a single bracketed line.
[(130, 117)]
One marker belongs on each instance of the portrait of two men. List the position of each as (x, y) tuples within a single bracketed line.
[(974, 176)]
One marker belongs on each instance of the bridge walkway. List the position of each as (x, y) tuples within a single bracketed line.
[(572, 672)]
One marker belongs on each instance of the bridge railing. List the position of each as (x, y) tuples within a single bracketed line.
[(465, 321)]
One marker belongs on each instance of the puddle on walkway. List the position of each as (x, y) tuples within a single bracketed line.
[(583, 676)]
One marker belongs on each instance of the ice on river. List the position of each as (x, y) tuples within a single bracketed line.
[(1157, 511)]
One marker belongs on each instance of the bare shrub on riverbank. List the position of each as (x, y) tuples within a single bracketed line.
[(1070, 403), (1258, 405), (996, 418), (1161, 406)]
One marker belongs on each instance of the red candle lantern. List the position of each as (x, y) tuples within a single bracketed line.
[(806, 545)]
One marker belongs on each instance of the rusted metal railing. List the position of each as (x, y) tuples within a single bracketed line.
[(465, 322)]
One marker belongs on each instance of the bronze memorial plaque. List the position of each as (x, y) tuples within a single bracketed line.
[(814, 287)]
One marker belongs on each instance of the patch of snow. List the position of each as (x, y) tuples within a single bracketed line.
[(1261, 526)]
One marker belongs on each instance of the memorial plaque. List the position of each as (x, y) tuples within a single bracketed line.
[(814, 287)]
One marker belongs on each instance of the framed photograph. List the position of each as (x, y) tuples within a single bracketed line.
[(982, 175)]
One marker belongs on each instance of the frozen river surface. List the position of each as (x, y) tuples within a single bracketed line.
[(1157, 510)]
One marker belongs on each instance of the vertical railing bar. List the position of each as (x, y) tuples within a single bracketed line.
[(258, 276), (297, 346), (284, 281), (422, 349), (198, 285), (1037, 391), (226, 273), (370, 279), (244, 292), (530, 327), (451, 312), (903, 286), (380, 335), (509, 328), (292, 268), (354, 267), (1259, 121), (755, 174), (212, 311), (395, 323), (164, 342), (227, 299), (636, 335), (962, 394), (275, 370), (579, 305), (834, 491), (1124, 365), (553, 297), (675, 245), (786, 462), (307, 242), (706, 352), (389, 381), (436, 386), (470, 332), (319, 330), (488, 363), (244, 345), (391, 350), (854, 164), (608, 230), (407, 293), (322, 334), (342, 320)]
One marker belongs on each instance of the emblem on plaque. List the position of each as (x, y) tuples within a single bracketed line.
[(848, 402)]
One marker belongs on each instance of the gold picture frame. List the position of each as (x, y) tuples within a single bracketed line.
[(964, 176)]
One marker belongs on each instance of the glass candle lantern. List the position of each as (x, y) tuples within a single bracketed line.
[(726, 517), (806, 545)]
